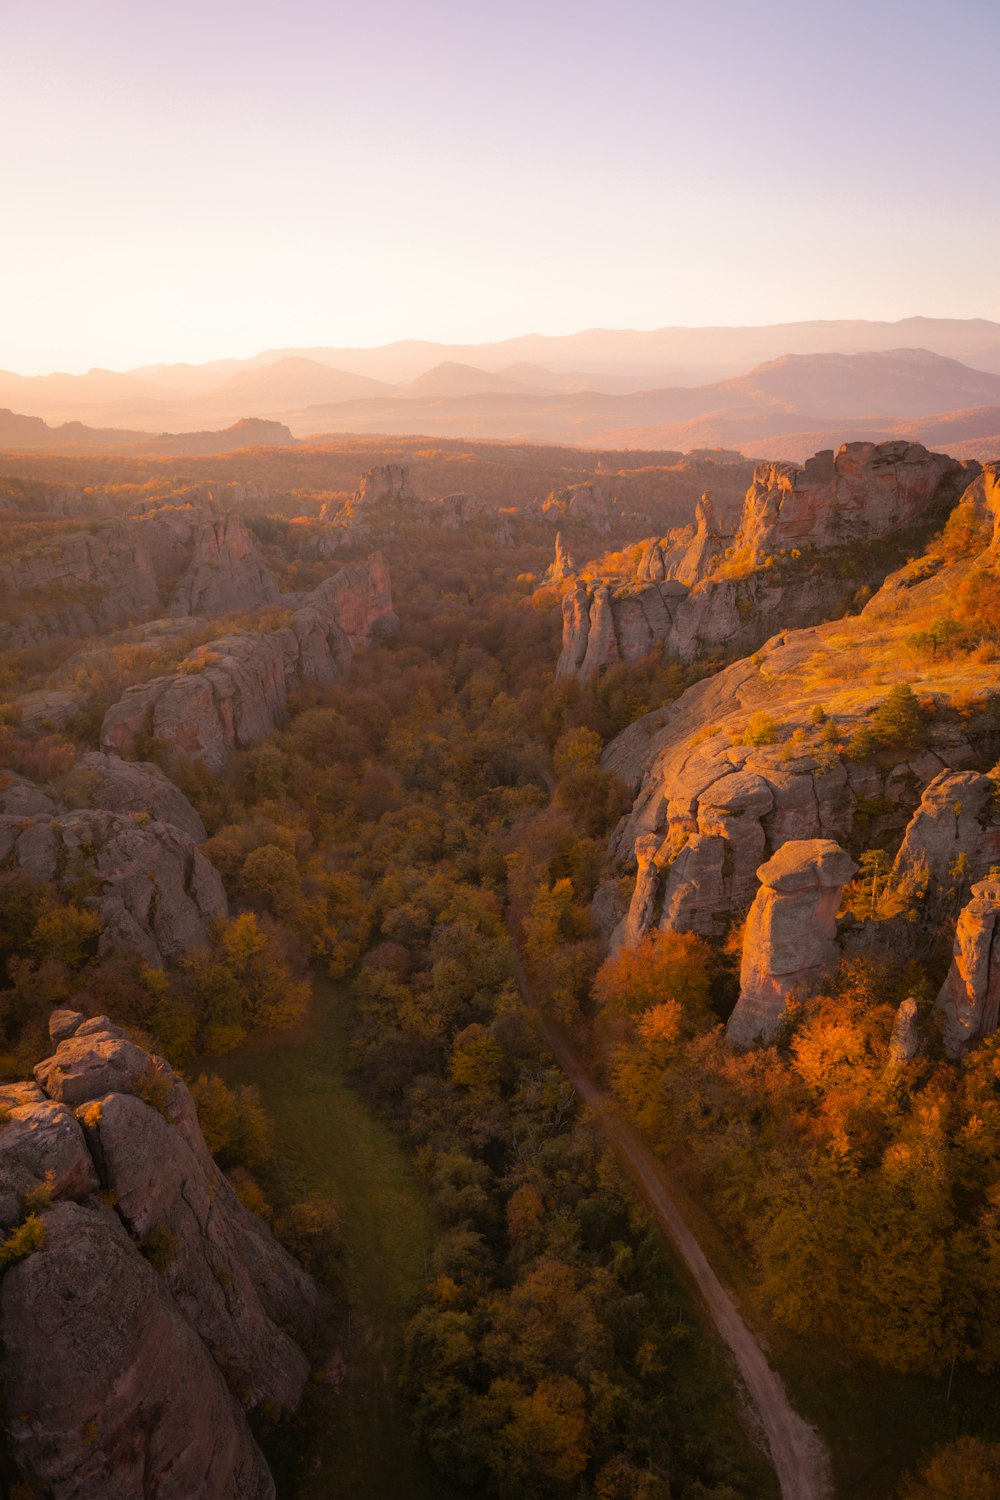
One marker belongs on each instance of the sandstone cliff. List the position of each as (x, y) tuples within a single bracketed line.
[(235, 695), (681, 600), (113, 1370)]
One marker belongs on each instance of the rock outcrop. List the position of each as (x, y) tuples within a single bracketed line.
[(953, 838), (226, 572), (904, 1043), (238, 696), (562, 565), (860, 493), (173, 560), (384, 484), (969, 1000), (156, 894), (113, 1370), (688, 555), (129, 786), (789, 946), (674, 601), (587, 504)]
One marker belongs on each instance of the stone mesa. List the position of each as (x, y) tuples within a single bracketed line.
[(790, 945)]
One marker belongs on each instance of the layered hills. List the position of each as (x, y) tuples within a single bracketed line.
[(770, 391)]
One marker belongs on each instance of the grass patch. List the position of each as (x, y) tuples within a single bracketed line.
[(356, 1438)]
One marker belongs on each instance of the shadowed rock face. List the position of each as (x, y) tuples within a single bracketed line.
[(180, 561), (239, 698), (675, 601), (969, 999), (789, 946), (112, 1370), (129, 786)]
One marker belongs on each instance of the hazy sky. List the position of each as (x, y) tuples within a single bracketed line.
[(191, 180)]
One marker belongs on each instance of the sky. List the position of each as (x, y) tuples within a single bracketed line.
[(202, 180)]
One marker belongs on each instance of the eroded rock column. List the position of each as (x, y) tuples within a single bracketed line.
[(969, 999), (790, 943)]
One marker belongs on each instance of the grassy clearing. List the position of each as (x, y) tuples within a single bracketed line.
[(354, 1438)]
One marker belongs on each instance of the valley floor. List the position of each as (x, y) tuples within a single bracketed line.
[(328, 1141)]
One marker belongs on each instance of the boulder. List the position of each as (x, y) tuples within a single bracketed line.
[(42, 1145), (789, 946), (969, 1000)]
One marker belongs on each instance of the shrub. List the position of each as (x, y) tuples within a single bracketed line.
[(761, 729), (22, 1241)]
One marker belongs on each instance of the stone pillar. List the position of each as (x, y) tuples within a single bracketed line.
[(969, 1000), (790, 942)]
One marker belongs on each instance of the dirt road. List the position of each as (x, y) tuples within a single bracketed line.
[(798, 1453)]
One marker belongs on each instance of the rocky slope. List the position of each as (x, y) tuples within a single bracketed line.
[(693, 594), (155, 1308), (230, 697), (171, 561), (760, 755)]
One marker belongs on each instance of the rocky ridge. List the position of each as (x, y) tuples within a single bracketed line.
[(385, 504), (232, 696), (681, 599), (758, 757), (113, 1370), (174, 560)]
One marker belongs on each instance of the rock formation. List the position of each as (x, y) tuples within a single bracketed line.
[(904, 1043), (588, 504), (675, 603), (113, 1370), (226, 573), (861, 492), (969, 999), (129, 786), (789, 946), (174, 560), (953, 837), (383, 484), (562, 565), (156, 894), (238, 696)]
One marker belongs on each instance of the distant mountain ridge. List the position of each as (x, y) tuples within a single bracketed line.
[(784, 407)]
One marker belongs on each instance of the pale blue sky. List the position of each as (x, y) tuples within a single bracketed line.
[(195, 180)]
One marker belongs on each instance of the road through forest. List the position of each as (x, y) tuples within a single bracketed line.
[(798, 1453)]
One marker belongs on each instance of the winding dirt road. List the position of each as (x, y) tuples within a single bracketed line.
[(799, 1455)]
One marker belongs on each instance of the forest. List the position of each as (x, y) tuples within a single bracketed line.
[(391, 851)]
